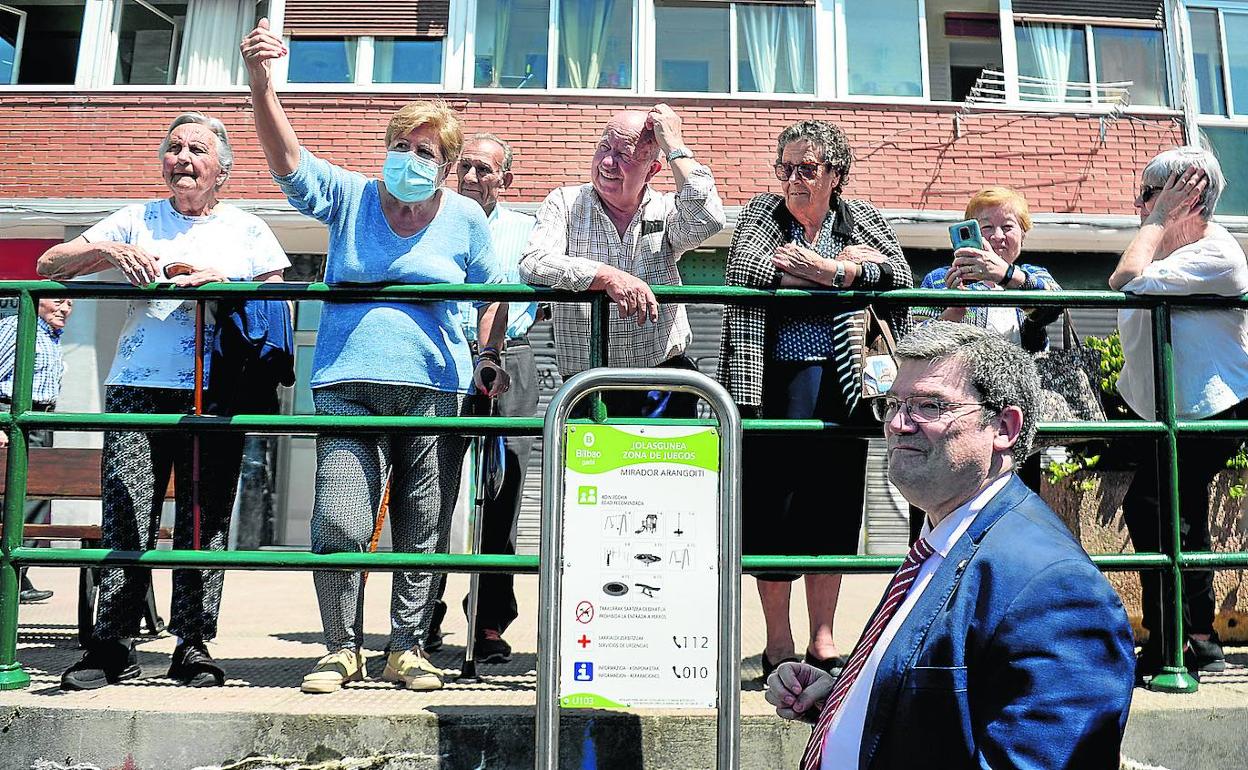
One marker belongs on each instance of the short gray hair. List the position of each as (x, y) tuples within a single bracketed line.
[(488, 137), (225, 154), (1001, 372), (1180, 159), (828, 139)]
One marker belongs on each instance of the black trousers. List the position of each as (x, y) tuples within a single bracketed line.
[(1200, 459), (496, 595), (37, 511), (649, 403)]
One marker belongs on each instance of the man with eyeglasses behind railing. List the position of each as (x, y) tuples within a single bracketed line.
[(620, 235), (998, 643)]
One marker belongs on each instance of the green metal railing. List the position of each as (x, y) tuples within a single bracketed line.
[(21, 420)]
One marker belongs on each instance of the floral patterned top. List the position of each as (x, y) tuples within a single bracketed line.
[(157, 344)]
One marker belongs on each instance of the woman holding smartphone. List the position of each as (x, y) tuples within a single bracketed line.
[(1003, 220)]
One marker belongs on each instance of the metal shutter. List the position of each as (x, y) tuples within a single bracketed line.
[(423, 18)]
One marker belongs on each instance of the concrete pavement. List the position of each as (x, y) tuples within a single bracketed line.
[(270, 637)]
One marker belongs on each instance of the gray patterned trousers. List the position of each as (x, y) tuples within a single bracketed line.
[(424, 483), (134, 475)]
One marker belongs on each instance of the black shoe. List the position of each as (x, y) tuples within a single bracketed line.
[(1205, 655), (491, 647), (106, 662), (768, 666), (833, 665), (433, 639), (194, 667), (33, 596)]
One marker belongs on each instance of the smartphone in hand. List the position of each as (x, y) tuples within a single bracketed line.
[(965, 235)]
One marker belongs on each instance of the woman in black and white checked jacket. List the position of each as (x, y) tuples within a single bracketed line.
[(803, 362)]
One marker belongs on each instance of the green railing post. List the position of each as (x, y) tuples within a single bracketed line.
[(12, 677), (1174, 676), (599, 336)]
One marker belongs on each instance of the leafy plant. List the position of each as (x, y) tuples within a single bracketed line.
[(1081, 457)]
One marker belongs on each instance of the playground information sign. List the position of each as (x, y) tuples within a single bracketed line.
[(640, 570)]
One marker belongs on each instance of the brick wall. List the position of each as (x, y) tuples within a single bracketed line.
[(57, 145)]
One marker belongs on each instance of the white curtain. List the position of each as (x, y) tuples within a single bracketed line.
[(1051, 46), (210, 42), (582, 33), (797, 52), (502, 31), (383, 61), (761, 25)]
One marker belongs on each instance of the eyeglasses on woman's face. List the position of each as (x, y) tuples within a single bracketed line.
[(920, 409)]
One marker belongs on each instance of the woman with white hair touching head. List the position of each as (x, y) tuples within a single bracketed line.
[(1180, 251), (190, 238)]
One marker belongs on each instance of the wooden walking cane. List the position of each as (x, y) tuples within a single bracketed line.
[(381, 522), (199, 409)]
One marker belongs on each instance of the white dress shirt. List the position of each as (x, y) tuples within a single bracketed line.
[(844, 739)]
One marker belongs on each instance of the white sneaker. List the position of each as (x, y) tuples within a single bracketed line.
[(413, 669), (333, 671)]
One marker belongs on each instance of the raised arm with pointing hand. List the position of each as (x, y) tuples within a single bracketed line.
[(277, 137)]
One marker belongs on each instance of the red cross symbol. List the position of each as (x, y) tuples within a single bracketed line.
[(583, 641)]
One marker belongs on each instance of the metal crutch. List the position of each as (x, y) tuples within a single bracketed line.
[(468, 671)]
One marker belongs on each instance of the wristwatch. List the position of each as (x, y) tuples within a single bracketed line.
[(838, 280), (679, 152)]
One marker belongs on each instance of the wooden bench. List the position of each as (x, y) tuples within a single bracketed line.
[(74, 474)]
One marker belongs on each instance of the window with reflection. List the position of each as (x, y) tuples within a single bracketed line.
[(512, 43), (148, 36)]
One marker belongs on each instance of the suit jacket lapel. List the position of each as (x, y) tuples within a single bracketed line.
[(909, 639)]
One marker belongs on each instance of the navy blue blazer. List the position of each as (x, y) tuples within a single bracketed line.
[(1017, 655)]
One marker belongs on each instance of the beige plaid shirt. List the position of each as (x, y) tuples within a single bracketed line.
[(574, 237)]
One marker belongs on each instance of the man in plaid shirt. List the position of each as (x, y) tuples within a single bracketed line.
[(620, 235), (49, 368)]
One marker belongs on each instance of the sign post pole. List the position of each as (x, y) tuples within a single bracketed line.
[(654, 514)]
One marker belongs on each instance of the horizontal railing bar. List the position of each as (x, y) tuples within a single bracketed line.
[(441, 562), (276, 560), (510, 426), (1217, 560), (688, 294)]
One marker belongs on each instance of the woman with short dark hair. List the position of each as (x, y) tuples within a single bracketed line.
[(800, 362)]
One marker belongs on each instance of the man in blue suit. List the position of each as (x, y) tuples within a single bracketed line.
[(998, 644)]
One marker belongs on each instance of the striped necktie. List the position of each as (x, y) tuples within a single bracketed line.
[(893, 597)]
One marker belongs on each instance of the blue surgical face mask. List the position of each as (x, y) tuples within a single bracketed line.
[(409, 177)]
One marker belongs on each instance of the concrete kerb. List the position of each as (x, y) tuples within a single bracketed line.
[(270, 636)]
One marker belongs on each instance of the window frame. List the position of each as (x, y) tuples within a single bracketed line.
[(175, 49), (365, 53), (1088, 26), (19, 43), (734, 49), (639, 76), (1220, 11)]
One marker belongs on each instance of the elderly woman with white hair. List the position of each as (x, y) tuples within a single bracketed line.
[(1180, 251), (189, 238)]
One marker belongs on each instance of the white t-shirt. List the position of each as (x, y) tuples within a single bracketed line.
[(157, 345), (1003, 321), (1210, 344)]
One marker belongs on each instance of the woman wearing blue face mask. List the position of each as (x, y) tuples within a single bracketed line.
[(386, 358)]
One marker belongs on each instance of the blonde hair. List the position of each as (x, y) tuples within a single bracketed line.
[(990, 197), (437, 114)]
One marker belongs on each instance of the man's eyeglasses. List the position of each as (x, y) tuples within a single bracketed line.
[(804, 170), (919, 409), (1148, 192), (481, 169)]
